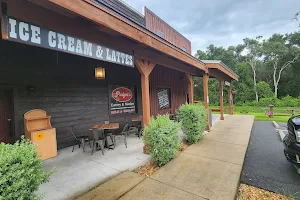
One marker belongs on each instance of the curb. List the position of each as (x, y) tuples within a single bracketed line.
[(275, 125), (281, 134)]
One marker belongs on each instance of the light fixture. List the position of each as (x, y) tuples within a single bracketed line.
[(196, 85), (99, 73)]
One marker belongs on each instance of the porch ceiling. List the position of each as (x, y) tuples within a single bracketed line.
[(145, 44)]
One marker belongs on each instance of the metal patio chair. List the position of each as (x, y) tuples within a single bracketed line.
[(80, 139), (99, 140), (123, 133)]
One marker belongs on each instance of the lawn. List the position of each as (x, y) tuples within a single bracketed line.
[(281, 114)]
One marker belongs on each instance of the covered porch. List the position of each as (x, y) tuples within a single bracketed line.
[(77, 172)]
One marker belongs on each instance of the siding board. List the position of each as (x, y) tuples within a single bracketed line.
[(73, 97), (162, 77), (154, 23)]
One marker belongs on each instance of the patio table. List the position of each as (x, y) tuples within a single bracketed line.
[(104, 127), (136, 119)]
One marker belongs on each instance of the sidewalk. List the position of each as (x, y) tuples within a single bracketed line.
[(209, 169)]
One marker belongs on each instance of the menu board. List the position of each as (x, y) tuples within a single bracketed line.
[(122, 99), (164, 98)]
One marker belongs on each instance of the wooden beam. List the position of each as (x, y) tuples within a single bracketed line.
[(221, 69), (190, 88), (206, 98), (101, 15), (221, 84), (145, 67), (229, 100)]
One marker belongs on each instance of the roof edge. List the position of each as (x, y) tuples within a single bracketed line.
[(222, 64)]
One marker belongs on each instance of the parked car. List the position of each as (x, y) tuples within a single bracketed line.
[(291, 141)]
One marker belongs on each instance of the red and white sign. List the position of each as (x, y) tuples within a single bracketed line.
[(122, 94)]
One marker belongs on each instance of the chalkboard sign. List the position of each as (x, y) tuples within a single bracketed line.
[(122, 99), (164, 98)]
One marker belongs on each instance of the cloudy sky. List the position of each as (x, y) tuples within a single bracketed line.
[(224, 22)]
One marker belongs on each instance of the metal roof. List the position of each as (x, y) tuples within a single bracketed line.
[(220, 63)]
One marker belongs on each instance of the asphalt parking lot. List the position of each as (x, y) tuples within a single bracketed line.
[(265, 165)]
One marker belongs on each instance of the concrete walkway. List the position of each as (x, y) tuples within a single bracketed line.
[(209, 169)]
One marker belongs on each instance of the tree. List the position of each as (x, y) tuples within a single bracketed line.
[(264, 90), (280, 54), (253, 48)]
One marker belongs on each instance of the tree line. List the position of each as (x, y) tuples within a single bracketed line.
[(267, 68)]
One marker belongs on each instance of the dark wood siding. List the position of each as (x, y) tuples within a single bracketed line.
[(65, 87), (162, 77), (154, 23), (123, 10)]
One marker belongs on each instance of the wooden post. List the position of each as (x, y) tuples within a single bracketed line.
[(190, 87), (206, 98), (230, 111), (221, 83), (145, 68)]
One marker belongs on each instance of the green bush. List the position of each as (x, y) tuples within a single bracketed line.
[(161, 137), (21, 171), (289, 101), (268, 101), (193, 121)]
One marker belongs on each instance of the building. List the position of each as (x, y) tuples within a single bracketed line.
[(50, 50)]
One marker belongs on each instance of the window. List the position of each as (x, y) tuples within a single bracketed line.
[(184, 49), (160, 34), (164, 98)]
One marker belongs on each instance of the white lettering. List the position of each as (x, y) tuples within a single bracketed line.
[(108, 57), (35, 34), (113, 56), (52, 39), (99, 52), (61, 41), (71, 42), (130, 61), (118, 56), (123, 57), (87, 48), (23, 31), (78, 47), (126, 60), (13, 24)]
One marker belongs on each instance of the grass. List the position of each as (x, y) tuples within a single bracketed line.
[(281, 114)]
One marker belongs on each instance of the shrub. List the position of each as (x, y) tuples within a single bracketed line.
[(21, 171), (193, 121), (268, 101), (289, 101), (161, 137)]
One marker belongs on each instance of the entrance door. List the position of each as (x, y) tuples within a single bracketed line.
[(5, 116)]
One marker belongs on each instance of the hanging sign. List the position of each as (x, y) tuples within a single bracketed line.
[(227, 83), (27, 33), (122, 100)]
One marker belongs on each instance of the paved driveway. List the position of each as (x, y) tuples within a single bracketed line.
[(265, 165)]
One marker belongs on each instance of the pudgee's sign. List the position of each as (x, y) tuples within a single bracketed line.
[(24, 32), (122, 99)]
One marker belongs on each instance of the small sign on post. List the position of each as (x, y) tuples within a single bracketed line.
[(270, 113)]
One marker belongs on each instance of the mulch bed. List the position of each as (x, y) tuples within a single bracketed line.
[(150, 168), (247, 192)]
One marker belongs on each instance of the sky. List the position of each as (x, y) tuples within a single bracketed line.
[(224, 22)]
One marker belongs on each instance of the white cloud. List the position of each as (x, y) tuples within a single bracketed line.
[(226, 22)]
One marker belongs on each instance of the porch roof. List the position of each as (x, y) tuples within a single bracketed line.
[(218, 69), (105, 17)]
